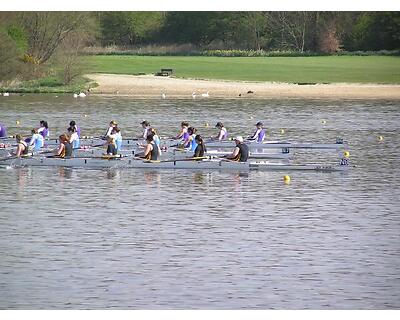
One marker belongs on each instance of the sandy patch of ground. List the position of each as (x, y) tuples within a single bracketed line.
[(149, 86)]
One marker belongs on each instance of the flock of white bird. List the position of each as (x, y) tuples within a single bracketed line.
[(163, 95)]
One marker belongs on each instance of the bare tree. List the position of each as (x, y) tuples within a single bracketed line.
[(47, 30)]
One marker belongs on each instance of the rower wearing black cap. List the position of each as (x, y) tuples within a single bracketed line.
[(259, 134), (146, 129), (223, 133)]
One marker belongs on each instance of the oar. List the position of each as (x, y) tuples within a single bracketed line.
[(176, 160)]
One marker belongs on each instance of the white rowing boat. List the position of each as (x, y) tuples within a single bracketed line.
[(284, 145), (129, 162)]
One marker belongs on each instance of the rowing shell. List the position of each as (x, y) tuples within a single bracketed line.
[(133, 144), (213, 164)]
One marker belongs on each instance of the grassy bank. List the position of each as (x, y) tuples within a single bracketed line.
[(323, 69), (50, 85)]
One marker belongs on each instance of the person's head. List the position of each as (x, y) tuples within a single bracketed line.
[(153, 131), (259, 125), (145, 124), (18, 137), (63, 137), (72, 123), (199, 139), (113, 123), (149, 138), (71, 130), (184, 124), (33, 131), (191, 130), (239, 139), (219, 125)]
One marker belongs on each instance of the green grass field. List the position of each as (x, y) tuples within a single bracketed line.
[(324, 69)]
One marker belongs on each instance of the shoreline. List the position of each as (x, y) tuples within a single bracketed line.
[(149, 86)]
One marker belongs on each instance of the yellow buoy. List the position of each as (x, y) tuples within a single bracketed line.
[(17, 122), (282, 131), (346, 154), (206, 125), (323, 121), (286, 179), (380, 138)]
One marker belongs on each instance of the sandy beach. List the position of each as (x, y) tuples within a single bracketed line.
[(149, 86)]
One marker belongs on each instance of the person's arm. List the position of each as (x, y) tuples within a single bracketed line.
[(146, 151), (60, 149), (197, 151), (33, 140), (255, 135), (19, 150), (234, 154)]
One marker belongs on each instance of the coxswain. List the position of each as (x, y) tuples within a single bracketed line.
[(201, 147), (222, 134), (111, 146), (37, 141), (151, 152), (190, 143), (22, 146), (44, 129), (146, 129), (65, 147), (259, 134), (3, 131), (73, 124), (241, 151), (183, 133)]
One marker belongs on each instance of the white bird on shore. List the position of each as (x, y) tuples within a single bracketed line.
[(75, 95), (194, 95), (205, 95), (6, 94), (82, 95), (163, 95)]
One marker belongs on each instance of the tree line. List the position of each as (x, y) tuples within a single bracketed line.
[(32, 41)]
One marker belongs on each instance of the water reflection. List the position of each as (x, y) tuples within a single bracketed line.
[(174, 239)]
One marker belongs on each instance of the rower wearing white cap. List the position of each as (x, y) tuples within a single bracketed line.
[(241, 151), (259, 135)]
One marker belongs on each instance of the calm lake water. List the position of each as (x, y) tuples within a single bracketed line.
[(134, 239)]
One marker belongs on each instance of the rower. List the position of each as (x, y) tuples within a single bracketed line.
[(183, 133), (111, 146), (22, 146), (259, 134), (73, 124), (112, 125), (3, 131), (223, 133), (65, 148), (201, 148), (156, 139), (190, 143), (151, 152), (44, 129), (241, 151), (146, 129), (36, 141), (74, 137)]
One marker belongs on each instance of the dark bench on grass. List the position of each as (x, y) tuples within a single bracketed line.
[(165, 72)]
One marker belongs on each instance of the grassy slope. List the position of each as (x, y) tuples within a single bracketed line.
[(324, 69)]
